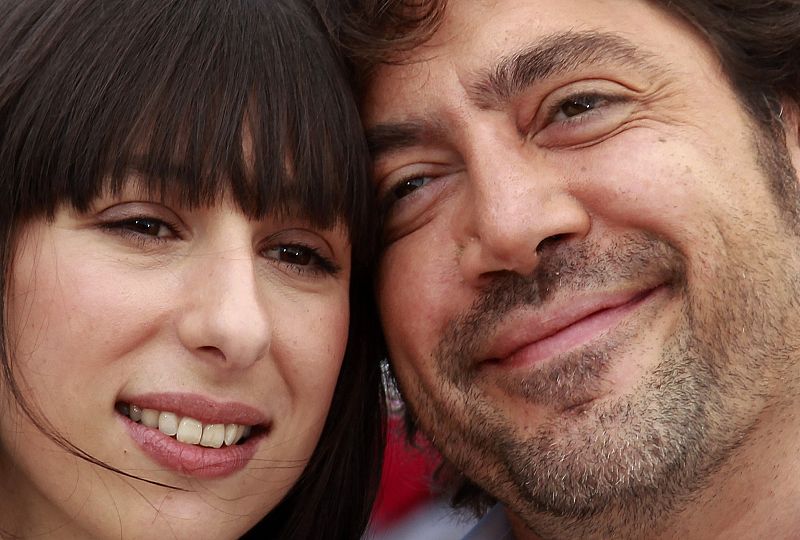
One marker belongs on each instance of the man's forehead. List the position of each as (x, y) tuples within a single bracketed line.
[(478, 41), (472, 32)]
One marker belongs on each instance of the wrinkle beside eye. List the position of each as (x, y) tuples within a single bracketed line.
[(417, 209)]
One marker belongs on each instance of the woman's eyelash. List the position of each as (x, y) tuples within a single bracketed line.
[(303, 258), (146, 230), (138, 228)]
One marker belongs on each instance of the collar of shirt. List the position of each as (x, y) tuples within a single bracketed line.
[(493, 526)]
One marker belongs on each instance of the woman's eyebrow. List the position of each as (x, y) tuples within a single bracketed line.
[(494, 86)]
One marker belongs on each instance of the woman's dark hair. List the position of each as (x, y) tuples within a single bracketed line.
[(198, 98), (756, 41)]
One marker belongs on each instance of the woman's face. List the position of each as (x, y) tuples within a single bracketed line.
[(139, 313)]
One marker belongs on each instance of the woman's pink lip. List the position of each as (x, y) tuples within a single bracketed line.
[(200, 408), (189, 459), (571, 334)]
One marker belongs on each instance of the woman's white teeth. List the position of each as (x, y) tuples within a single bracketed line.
[(149, 418), (168, 423), (188, 430), (231, 434), (214, 435)]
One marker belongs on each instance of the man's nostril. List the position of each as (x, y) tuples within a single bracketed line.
[(549, 242)]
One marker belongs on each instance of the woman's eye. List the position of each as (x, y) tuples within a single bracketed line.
[(147, 226), (301, 258), (298, 255), (142, 229)]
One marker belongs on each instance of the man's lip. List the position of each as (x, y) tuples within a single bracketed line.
[(201, 408), (523, 330)]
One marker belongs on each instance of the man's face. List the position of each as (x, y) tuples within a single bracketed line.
[(587, 284)]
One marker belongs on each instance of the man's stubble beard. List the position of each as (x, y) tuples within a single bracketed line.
[(621, 467)]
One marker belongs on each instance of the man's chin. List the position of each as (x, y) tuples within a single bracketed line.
[(585, 386), (613, 450), (588, 462)]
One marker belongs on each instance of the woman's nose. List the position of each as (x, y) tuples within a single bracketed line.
[(225, 317)]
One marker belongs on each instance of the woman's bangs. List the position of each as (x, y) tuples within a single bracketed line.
[(253, 107)]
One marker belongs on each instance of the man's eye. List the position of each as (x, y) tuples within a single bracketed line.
[(575, 106), (405, 187), (580, 114)]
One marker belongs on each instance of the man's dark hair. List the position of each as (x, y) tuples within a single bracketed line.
[(756, 41)]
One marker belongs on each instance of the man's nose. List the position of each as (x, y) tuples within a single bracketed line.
[(516, 206), (224, 318)]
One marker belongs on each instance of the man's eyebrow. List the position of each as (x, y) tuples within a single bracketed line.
[(496, 85), (552, 56), (388, 137)]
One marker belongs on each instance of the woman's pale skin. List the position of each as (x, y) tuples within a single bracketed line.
[(200, 314)]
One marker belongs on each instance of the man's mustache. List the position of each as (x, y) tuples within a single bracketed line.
[(564, 270)]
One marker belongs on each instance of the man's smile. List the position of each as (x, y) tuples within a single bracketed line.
[(528, 339)]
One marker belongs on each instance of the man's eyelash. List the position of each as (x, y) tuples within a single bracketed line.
[(594, 99), (390, 197), (557, 107)]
